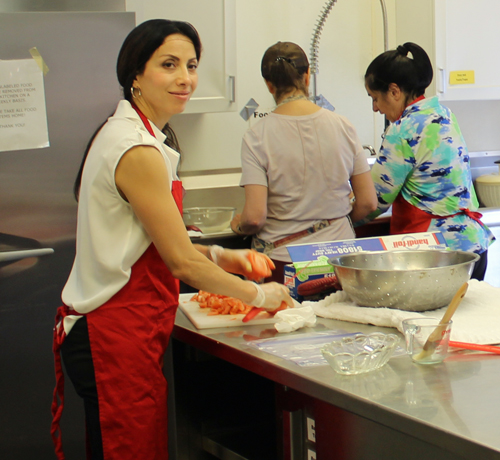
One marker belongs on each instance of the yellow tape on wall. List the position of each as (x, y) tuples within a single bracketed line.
[(35, 54)]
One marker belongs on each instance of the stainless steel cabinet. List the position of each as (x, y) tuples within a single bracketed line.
[(38, 214)]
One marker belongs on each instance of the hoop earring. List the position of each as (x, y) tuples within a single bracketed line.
[(133, 94)]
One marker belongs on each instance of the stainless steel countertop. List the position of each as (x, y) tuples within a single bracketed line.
[(454, 405)]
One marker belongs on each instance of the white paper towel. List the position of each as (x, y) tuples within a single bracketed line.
[(477, 319), (292, 319)]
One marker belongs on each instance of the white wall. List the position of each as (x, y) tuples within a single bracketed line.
[(346, 48), (479, 122), (351, 38)]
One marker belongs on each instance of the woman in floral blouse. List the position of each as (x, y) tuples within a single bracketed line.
[(423, 167)]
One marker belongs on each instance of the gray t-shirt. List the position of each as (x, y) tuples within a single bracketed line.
[(306, 163)]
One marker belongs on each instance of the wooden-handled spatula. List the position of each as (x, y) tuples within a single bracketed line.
[(435, 337)]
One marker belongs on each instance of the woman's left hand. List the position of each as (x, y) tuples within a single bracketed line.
[(251, 264)]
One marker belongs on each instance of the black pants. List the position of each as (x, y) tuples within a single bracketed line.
[(77, 359), (480, 267)]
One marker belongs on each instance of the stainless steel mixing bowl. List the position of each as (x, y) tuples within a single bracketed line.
[(407, 280)]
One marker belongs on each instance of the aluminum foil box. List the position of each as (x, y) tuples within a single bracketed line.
[(320, 251), (307, 271)]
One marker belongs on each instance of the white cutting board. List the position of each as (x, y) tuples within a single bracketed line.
[(199, 316)]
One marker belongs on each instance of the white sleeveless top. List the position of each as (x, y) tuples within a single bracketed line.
[(110, 238)]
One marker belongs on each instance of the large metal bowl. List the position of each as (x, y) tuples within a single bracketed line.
[(406, 279)]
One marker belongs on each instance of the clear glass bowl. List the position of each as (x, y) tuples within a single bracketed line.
[(361, 353), (209, 219)]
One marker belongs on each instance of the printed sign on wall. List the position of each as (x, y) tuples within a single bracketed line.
[(23, 114)]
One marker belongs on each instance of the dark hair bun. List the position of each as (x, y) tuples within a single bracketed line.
[(412, 74)]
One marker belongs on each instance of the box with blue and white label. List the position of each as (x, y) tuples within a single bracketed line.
[(315, 251)]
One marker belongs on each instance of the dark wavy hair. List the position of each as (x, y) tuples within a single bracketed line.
[(135, 52), (412, 75), (284, 65)]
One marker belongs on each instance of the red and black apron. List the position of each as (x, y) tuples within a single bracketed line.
[(128, 337)]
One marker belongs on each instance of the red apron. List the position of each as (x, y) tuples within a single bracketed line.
[(128, 337), (407, 218)]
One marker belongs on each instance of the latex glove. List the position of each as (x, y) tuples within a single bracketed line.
[(272, 296), (249, 263), (261, 265)]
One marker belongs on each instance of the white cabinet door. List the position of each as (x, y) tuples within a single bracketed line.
[(462, 38), (215, 21)]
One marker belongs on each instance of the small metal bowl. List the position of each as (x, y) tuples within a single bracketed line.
[(209, 219), (361, 353), (412, 280)]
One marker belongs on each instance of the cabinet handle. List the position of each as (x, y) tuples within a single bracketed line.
[(293, 444), (232, 82), (442, 75)]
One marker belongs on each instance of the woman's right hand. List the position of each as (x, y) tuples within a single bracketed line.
[(235, 224), (270, 296)]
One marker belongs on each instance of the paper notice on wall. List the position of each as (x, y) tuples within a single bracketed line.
[(23, 114)]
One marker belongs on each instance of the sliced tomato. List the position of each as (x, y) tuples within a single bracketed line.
[(256, 310), (252, 314)]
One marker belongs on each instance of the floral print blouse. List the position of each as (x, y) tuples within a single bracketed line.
[(424, 157)]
